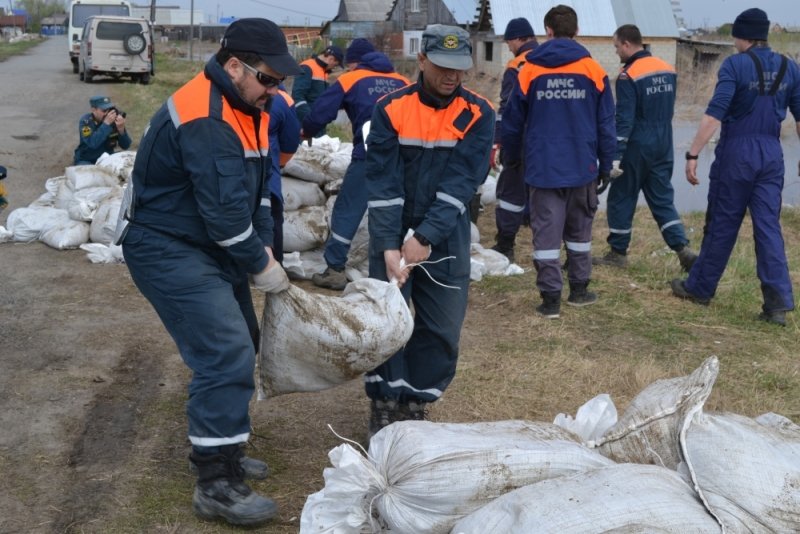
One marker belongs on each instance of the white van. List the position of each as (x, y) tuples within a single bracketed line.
[(116, 46)]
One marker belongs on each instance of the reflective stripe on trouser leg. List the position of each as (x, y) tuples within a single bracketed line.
[(348, 210), (424, 368), (195, 295), (512, 200)]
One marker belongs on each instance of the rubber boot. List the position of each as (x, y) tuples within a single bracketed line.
[(579, 295), (220, 491), (253, 469), (505, 246), (550, 307)]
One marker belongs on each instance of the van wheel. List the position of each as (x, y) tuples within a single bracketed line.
[(134, 44), (144, 79)]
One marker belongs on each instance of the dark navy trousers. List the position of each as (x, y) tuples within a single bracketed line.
[(348, 210), (512, 200)]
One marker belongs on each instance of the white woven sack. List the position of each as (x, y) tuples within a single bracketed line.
[(83, 204), (489, 191), (81, 176), (649, 430), (304, 265), (27, 224), (747, 473), (299, 194), (309, 163), (423, 476), (66, 235), (104, 223), (592, 420), (305, 229), (118, 164), (311, 341), (621, 498)]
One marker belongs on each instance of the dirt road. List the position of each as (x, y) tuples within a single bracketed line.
[(81, 353)]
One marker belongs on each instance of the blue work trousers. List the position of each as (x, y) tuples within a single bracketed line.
[(204, 301), (512, 200), (564, 214), (423, 369), (348, 210), (654, 179)]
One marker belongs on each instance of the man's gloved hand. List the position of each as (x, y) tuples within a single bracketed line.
[(603, 181), (494, 157), (616, 171), (273, 279)]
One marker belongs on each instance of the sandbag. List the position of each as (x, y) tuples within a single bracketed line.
[(80, 176), (488, 262), (27, 224), (299, 194), (488, 191), (311, 341), (319, 163), (649, 430), (304, 265), (305, 229), (423, 476), (592, 420), (104, 222), (83, 203), (747, 473), (66, 235), (118, 164), (99, 253), (620, 498)]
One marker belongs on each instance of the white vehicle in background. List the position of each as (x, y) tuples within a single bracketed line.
[(79, 11), (116, 47)]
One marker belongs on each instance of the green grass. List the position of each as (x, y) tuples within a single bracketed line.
[(13, 49)]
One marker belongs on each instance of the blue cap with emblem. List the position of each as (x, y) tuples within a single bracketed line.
[(100, 102), (447, 46)]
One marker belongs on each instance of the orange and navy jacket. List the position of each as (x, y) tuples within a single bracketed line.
[(356, 92), (202, 170), (645, 91), (308, 85), (560, 117), (425, 160), (509, 77)]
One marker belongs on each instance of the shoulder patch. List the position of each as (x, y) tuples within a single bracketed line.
[(86, 131), (624, 75)]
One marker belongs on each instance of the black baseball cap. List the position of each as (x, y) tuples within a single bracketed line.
[(264, 38)]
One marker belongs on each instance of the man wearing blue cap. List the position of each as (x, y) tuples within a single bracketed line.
[(512, 193), (101, 130), (197, 226), (313, 80), (754, 89), (370, 76), (427, 154)]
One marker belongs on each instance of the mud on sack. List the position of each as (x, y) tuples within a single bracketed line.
[(311, 342)]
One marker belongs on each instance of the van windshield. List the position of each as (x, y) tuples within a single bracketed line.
[(81, 12), (116, 31)]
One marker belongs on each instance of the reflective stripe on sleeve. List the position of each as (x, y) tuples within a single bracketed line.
[(451, 200), (398, 201), (236, 239)]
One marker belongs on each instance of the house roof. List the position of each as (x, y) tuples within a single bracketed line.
[(595, 17), (363, 10)]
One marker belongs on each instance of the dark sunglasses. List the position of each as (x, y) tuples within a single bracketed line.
[(264, 79)]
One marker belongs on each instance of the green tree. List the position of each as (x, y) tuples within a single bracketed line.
[(39, 9), (725, 29)]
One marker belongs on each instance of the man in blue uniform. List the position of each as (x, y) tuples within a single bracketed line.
[(559, 123), (645, 103), (427, 153), (754, 89), (370, 76), (313, 80), (199, 227), (100, 130), (512, 193)]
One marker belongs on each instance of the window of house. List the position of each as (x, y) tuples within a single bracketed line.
[(415, 6), (413, 46), (488, 50)]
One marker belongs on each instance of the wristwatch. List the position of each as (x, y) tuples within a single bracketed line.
[(422, 239), (689, 156)]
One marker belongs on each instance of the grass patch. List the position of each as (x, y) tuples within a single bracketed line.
[(14, 49)]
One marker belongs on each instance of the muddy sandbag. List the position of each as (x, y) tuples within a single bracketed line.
[(66, 235), (649, 430), (104, 222), (118, 164), (304, 265), (305, 229), (325, 160), (422, 476), (27, 224), (747, 473), (81, 176), (619, 498), (311, 341), (299, 194)]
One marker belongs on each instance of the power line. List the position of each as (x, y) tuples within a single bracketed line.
[(316, 15)]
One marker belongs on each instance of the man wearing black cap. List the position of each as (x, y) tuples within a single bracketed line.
[(512, 193), (370, 77), (198, 226), (101, 130), (313, 80), (427, 153), (754, 89)]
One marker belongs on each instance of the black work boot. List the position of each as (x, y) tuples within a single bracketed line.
[(330, 279), (253, 469), (686, 257), (383, 412), (505, 246), (414, 411), (777, 317), (550, 307), (579, 295), (613, 258), (220, 491), (680, 291)]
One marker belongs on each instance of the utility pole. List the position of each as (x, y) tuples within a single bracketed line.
[(153, 11), (191, 31)]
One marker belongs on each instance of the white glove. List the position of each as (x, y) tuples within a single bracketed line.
[(616, 172), (272, 279)]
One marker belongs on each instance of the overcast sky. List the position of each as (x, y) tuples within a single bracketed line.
[(315, 12)]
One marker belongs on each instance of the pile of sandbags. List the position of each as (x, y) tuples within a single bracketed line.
[(664, 466)]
